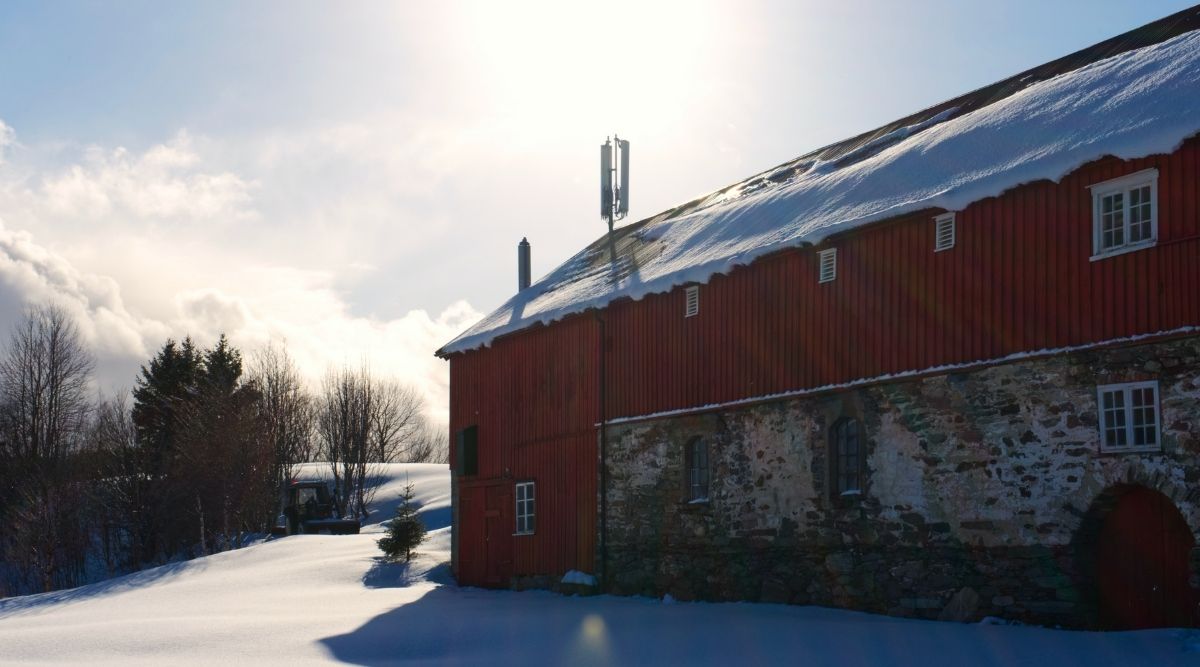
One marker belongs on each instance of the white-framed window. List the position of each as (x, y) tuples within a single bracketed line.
[(828, 265), (696, 458), (1128, 417), (525, 508), (1124, 214), (693, 301), (943, 232)]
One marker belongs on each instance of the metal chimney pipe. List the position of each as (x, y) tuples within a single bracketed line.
[(522, 264)]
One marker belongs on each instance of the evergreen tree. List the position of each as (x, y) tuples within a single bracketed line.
[(163, 390), (405, 531), (205, 458), (162, 398), (222, 367)]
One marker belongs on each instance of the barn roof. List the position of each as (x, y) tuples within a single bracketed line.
[(1134, 95)]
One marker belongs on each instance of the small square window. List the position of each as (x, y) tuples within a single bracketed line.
[(828, 265), (1128, 417), (1125, 213), (693, 301), (525, 508), (943, 232)]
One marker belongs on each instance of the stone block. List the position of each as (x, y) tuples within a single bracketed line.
[(1069, 594), (961, 607), (920, 603), (1052, 607), (840, 563)]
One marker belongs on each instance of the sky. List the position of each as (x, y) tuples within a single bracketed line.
[(351, 179)]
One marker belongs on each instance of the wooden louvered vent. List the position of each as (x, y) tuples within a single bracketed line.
[(693, 301), (943, 232), (828, 263)]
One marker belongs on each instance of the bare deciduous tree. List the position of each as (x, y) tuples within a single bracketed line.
[(363, 421), (44, 379), (428, 444), (397, 422), (344, 428), (287, 409), (122, 490)]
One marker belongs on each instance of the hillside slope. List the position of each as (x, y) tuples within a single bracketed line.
[(317, 599)]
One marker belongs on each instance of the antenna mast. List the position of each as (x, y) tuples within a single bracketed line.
[(614, 180)]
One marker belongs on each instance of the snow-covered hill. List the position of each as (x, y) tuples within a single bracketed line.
[(317, 598)]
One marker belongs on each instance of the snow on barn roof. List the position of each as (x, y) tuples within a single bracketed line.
[(1134, 95)]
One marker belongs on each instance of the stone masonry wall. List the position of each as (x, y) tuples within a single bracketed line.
[(978, 492)]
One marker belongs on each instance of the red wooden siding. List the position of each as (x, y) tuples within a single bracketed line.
[(1018, 279), (534, 398)]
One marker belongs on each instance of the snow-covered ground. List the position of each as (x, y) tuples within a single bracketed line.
[(317, 598)]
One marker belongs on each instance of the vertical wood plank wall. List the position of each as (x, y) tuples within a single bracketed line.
[(535, 399), (1018, 279)]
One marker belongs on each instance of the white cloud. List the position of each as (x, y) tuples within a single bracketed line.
[(173, 241), (158, 184), (29, 274), (7, 138), (296, 308)]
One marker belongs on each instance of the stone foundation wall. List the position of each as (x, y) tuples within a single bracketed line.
[(979, 496)]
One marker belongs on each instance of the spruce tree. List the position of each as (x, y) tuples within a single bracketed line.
[(222, 368), (166, 388), (405, 531)]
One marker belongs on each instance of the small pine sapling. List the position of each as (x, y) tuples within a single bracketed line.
[(405, 531)]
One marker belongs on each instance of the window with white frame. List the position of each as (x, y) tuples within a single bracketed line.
[(525, 508), (943, 232), (693, 301), (828, 265), (1125, 213), (1128, 417)]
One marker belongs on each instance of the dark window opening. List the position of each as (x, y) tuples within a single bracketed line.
[(696, 461), (468, 451), (845, 457)]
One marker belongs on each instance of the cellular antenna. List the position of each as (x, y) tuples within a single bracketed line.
[(614, 180)]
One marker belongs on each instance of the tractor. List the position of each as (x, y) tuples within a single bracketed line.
[(306, 507)]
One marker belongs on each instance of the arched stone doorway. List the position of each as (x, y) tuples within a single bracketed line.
[(1141, 546)]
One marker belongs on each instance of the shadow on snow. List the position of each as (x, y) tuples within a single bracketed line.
[(475, 626), (402, 575)]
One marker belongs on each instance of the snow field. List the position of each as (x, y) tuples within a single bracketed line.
[(318, 599)]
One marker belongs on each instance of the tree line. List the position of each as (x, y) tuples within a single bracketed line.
[(191, 462)]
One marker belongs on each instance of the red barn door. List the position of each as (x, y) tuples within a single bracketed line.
[(485, 530), (1142, 564), (471, 558), (498, 529)]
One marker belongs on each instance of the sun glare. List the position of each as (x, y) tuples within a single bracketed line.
[(588, 66)]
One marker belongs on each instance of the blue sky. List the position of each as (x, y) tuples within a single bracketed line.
[(353, 177)]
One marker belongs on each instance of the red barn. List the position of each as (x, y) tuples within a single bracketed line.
[(946, 368)]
